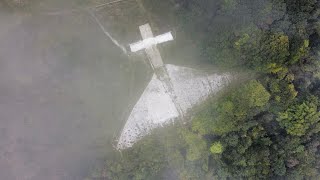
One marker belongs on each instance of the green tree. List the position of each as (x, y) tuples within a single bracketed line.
[(253, 95), (279, 167), (299, 10), (282, 89), (300, 49), (264, 52), (216, 148), (196, 146), (223, 116), (297, 119)]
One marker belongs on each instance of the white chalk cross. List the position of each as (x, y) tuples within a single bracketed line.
[(149, 43)]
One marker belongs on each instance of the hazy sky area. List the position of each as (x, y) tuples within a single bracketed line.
[(65, 89)]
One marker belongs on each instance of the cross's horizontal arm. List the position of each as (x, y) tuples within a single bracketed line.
[(146, 43)]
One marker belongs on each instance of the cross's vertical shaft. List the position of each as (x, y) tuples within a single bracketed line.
[(157, 64), (146, 31), (152, 52)]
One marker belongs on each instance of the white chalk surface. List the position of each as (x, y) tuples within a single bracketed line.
[(156, 105)]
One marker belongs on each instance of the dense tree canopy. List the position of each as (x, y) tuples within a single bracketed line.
[(224, 115)]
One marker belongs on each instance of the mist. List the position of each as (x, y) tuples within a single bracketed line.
[(65, 88), (71, 90)]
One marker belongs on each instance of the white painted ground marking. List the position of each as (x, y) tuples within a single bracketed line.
[(170, 94), (147, 43), (156, 107), (153, 109)]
